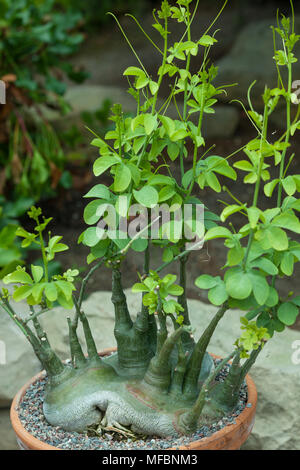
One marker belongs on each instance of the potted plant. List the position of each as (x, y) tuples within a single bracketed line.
[(162, 381)]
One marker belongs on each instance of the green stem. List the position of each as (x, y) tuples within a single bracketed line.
[(189, 420), (258, 182), (182, 300), (179, 371), (196, 359), (288, 134), (195, 143), (123, 320), (162, 333), (163, 66), (85, 281), (77, 355), (176, 258), (90, 342), (187, 339), (188, 64), (45, 261), (158, 374)]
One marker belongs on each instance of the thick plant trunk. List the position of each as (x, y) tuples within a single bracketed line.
[(134, 351)]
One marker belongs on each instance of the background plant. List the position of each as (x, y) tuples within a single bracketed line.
[(35, 39)]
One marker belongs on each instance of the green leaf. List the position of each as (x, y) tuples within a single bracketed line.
[(92, 236), (238, 285), (167, 255), (169, 306), (175, 290), (294, 127), (235, 255), (139, 245), (37, 273), (173, 151), (166, 193), (66, 288), (287, 264), (93, 211), (22, 293), (153, 87), (141, 82), (122, 178), (139, 287), (104, 163), (253, 216), (296, 300), (135, 173), (213, 182), (65, 303), (229, 210), (169, 279), (273, 298), (278, 325), (99, 250), (51, 291), (206, 281), (266, 265), (260, 286), (18, 276), (217, 232), (147, 196), (134, 71), (37, 292), (287, 220), (243, 165), (98, 142), (180, 134), (168, 124), (207, 40), (122, 204), (288, 313), (289, 185), (99, 191), (150, 123), (269, 187), (218, 295), (278, 239), (263, 321)]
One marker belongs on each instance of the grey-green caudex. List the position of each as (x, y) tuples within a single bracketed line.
[(159, 355)]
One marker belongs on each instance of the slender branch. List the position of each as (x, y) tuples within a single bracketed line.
[(77, 355), (196, 359), (90, 342), (36, 315), (86, 279), (189, 419)]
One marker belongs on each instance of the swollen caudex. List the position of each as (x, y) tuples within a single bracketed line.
[(97, 395)]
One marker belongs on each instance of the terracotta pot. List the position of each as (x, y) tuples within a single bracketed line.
[(231, 437)]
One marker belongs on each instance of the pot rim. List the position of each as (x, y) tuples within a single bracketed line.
[(247, 415)]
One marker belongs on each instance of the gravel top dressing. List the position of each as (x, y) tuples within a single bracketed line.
[(32, 418)]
